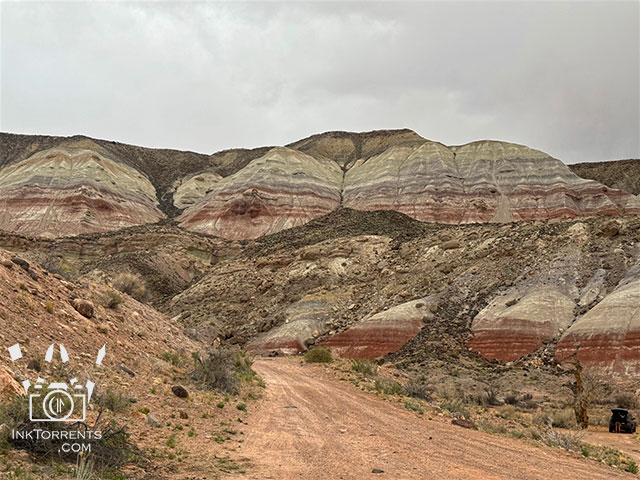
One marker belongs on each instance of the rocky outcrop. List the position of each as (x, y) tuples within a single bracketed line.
[(246, 193), (283, 189), (383, 333), (607, 337), (194, 189), (60, 192), (8, 386), (620, 174), (347, 148), (508, 328), (305, 321), (484, 181)]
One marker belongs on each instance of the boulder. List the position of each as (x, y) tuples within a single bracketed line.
[(8, 386), (83, 307), (179, 391)]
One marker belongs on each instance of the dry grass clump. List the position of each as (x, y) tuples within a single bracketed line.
[(364, 367), (131, 284)]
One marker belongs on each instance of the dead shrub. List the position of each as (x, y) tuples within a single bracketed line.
[(419, 388), (131, 284)]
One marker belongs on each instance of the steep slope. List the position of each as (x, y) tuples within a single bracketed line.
[(279, 190), (244, 193), (483, 181), (346, 276), (508, 330), (64, 191), (607, 337), (620, 174)]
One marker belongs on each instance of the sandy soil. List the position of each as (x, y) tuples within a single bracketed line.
[(311, 425)]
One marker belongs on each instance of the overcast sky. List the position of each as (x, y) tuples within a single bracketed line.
[(560, 77)]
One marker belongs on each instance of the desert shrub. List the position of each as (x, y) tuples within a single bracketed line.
[(58, 266), (564, 418), (131, 284), (457, 408), (171, 357), (418, 388), (244, 366), (625, 400), (511, 398), (223, 368), (111, 299), (318, 355), (112, 400), (571, 440), (491, 396), (364, 367), (508, 412), (409, 405), (388, 386)]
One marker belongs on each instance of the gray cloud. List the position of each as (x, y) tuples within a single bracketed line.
[(561, 77)]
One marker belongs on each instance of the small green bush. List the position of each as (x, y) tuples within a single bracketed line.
[(318, 355), (242, 407), (112, 400), (388, 386), (171, 357), (364, 367)]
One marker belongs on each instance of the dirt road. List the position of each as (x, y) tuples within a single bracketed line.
[(312, 426)]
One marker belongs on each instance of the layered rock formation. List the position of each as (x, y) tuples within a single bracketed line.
[(508, 329), (305, 321), (63, 191), (194, 189), (483, 181), (280, 190), (246, 193), (607, 337), (383, 333)]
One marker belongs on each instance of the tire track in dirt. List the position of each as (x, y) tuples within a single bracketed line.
[(337, 432)]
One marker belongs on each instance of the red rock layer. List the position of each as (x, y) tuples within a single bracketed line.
[(478, 182), (506, 333), (607, 337), (383, 333), (283, 189), (65, 192)]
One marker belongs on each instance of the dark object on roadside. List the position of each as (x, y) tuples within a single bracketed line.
[(126, 370), (377, 470), (622, 421), (461, 422), (179, 391), (21, 263)]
